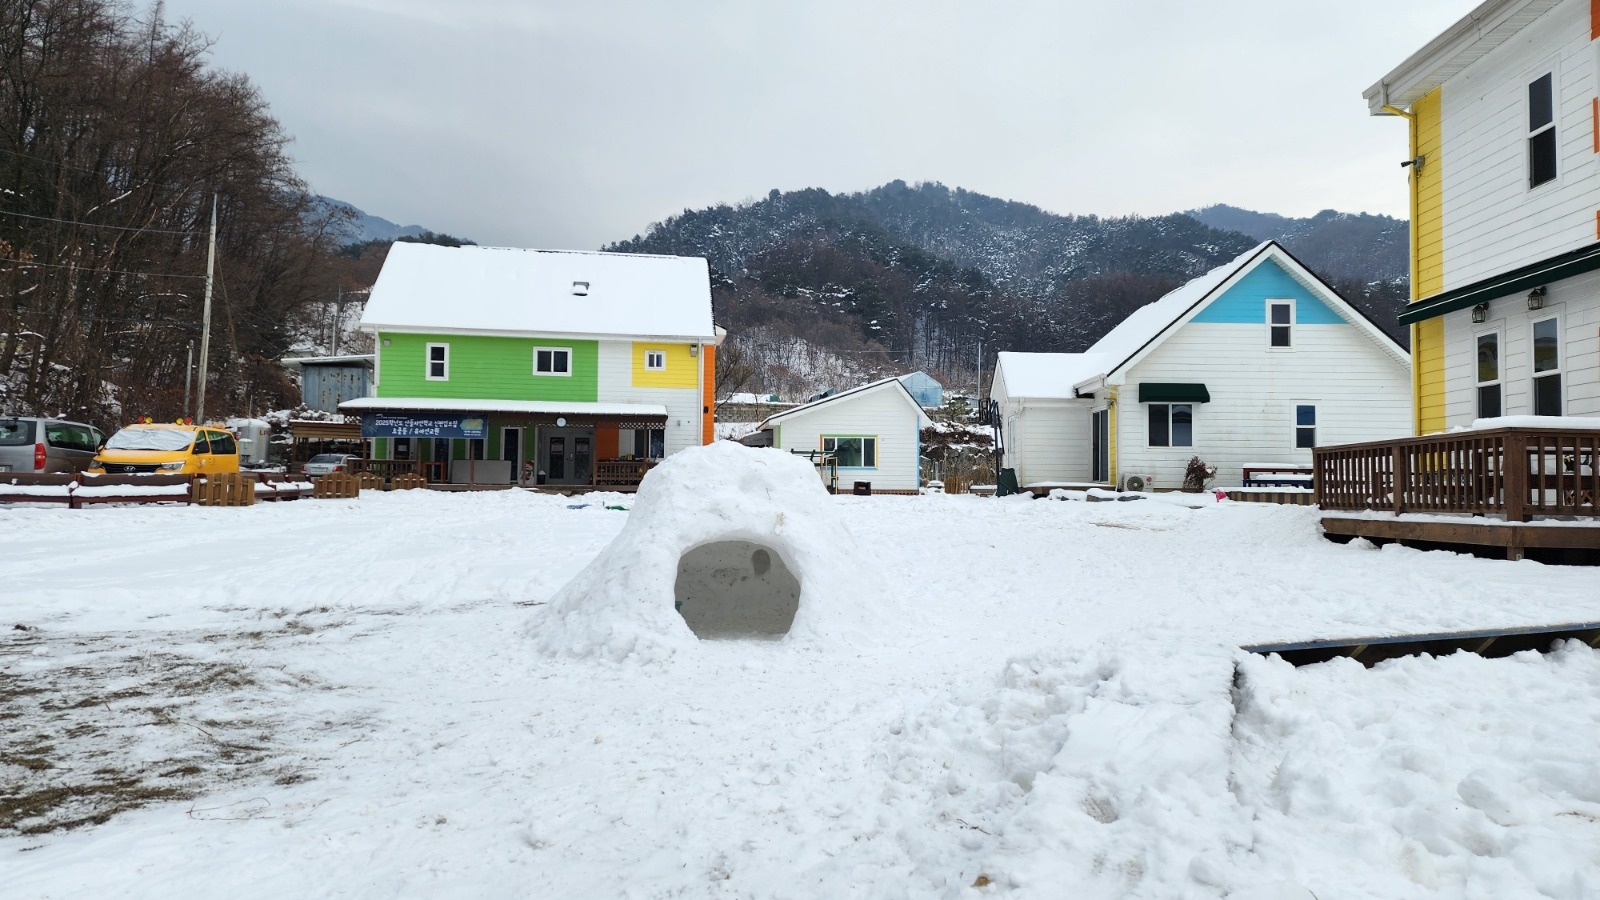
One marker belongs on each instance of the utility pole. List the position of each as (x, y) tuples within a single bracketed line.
[(205, 318), (338, 321), (188, 378)]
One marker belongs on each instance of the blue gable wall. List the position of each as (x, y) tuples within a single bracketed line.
[(1246, 301)]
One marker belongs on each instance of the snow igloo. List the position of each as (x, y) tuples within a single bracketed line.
[(723, 542)]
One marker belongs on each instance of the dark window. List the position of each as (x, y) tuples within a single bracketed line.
[(222, 442), (15, 432), (1547, 368), (200, 445), (438, 361), (1541, 131), (402, 448), (1305, 426), (1171, 425), (551, 362), (853, 452), (1488, 401), (649, 443), (475, 448), (1488, 358), (1281, 319)]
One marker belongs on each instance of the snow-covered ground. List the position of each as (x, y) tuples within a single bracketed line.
[(342, 698)]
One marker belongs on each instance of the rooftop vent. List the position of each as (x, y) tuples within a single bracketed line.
[(580, 288)]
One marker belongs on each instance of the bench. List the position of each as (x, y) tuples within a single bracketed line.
[(151, 488), (1277, 475), (28, 488), (282, 487)]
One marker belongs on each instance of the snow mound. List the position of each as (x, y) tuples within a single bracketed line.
[(723, 541)]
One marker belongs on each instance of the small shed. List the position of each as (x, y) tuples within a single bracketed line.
[(874, 432), (928, 393), (327, 381)]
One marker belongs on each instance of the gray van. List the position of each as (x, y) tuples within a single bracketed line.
[(47, 445)]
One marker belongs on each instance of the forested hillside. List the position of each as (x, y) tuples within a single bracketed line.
[(821, 289)]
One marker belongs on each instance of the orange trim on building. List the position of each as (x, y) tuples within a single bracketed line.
[(1594, 19), (1594, 117), (608, 442)]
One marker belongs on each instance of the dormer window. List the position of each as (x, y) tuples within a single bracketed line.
[(1541, 131)]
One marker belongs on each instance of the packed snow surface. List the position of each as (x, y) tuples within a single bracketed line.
[(350, 699)]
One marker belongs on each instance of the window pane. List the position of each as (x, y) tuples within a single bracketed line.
[(541, 360), (1158, 425), (1280, 335), (829, 445), (436, 370), (1489, 401), (1542, 157), (1182, 425), (869, 452), (558, 359), (1488, 358), (1305, 438), (848, 452), (1547, 395), (1280, 313), (1540, 103), (1546, 349), (436, 353), (1305, 415)]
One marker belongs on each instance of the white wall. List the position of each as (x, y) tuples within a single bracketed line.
[(1045, 440), (683, 404), (1492, 220), (1576, 303), (1361, 393), (885, 413)]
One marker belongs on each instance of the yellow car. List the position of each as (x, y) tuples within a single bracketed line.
[(169, 449)]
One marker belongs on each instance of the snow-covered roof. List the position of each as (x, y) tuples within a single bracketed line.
[(295, 362), (1048, 376), (497, 290), (922, 418), (1470, 39), (534, 407)]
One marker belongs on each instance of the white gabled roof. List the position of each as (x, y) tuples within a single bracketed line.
[(497, 290), (899, 388), (1047, 376), (1462, 44)]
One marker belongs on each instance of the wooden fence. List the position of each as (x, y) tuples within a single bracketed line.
[(1517, 473)]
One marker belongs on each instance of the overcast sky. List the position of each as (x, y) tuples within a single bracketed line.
[(571, 124)]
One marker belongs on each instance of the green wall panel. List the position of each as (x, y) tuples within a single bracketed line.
[(488, 368)]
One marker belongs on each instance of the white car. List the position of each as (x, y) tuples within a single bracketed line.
[(327, 464)]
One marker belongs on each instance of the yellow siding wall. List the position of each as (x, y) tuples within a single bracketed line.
[(1427, 362), (683, 370), (1427, 276), (1427, 264)]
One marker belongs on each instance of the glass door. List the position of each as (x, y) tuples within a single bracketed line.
[(556, 467), (1101, 452)]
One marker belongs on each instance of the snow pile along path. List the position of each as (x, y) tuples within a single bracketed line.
[(782, 531)]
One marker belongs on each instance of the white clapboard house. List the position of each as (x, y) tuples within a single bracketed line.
[(873, 432), (1249, 365)]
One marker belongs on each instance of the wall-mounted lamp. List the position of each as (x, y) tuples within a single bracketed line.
[(580, 288), (1536, 297), (1416, 161), (1480, 313), (694, 349)]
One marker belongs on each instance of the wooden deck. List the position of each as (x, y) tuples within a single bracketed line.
[(1493, 643), (1489, 484)]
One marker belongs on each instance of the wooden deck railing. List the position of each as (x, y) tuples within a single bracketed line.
[(621, 472), (388, 468), (1517, 473)]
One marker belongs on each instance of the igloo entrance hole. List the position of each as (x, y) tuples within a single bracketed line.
[(736, 589)]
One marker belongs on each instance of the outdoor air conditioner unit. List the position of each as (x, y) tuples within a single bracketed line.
[(1139, 483)]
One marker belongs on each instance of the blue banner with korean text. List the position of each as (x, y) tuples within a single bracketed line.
[(423, 425)]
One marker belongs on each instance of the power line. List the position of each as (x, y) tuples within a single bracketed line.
[(6, 212)]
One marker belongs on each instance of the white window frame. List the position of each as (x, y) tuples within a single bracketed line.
[(655, 360), (1528, 134), (1545, 315), (1299, 428), (863, 438), (1149, 437), (428, 361), (552, 351), (1271, 325), (1499, 382)]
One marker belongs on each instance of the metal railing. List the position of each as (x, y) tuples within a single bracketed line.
[(1517, 473)]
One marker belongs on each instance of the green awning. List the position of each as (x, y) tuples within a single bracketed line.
[(1173, 392), (1520, 280)]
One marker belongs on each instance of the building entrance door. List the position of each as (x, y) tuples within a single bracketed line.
[(566, 455)]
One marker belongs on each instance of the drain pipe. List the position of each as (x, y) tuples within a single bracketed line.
[(1416, 188)]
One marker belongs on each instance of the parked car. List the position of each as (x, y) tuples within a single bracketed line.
[(47, 445), (168, 449), (327, 464)]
